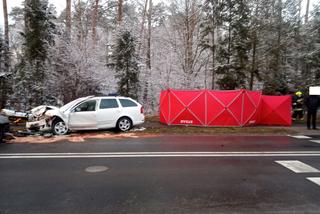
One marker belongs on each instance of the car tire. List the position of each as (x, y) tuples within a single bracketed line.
[(59, 127), (124, 124)]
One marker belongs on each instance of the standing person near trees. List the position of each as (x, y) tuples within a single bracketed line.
[(312, 103), (297, 106)]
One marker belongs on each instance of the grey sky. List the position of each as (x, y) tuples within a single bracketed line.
[(61, 4)]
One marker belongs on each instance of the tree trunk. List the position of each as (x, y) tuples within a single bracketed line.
[(213, 48), (68, 18), (3, 83), (120, 12), (253, 63), (80, 30), (190, 23), (148, 60), (307, 12), (142, 25), (94, 21), (6, 25), (6, 36), (149, 36), (229, 36), (278, 48)]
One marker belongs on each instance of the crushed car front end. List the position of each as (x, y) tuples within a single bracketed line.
[(41, 117)]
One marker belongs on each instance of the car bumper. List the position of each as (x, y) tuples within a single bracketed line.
[(138, 122), (40, 125)]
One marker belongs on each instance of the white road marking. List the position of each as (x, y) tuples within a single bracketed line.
[(297, 166), (157, 154), (315, 180), (315, 141), (300, 136)]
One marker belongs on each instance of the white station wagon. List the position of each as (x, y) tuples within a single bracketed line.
[(88, 113)]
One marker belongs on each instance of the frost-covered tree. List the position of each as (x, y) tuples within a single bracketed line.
[(211, 24), (310, 53), (31, 72), (183, 28), (4, 75), (126, 64), (234, 49)]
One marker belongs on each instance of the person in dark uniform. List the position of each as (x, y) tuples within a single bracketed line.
[(297, 106), (312, 103)]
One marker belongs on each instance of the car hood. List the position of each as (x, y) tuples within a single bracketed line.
[(53, 112), (40, 110)]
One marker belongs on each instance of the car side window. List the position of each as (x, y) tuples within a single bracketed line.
[(127, 103), (108, 103), (86, 106)]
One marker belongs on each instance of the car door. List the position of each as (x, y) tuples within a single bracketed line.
[(108, 112), (84, 116)]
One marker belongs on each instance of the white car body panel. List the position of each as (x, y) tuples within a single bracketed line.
[(107, 118), (82, 120)]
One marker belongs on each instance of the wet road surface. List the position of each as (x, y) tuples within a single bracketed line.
[(238, 177)]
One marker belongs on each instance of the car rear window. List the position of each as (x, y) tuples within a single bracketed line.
[(127, 103), (108, 103)]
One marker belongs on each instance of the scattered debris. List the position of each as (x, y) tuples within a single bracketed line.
[(75, 138), (47, 135), (22, 133), (9, 136), (138, 129)]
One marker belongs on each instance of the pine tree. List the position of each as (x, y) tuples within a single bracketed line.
[(126, 65), (233, 53), (311, 57), (30, 75), (3, 73)]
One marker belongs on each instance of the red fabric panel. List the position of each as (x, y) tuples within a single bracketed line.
[(224, 119), (276, 110), (186, 97), (235, 108), (214, 108), (164, 107), (187, 118), (232, 105), (198, 108), (176, 106), (223, 108), (251, 103), (255, 97), (225, 97)]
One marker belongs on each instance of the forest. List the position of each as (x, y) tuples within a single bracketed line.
[(137, 48)]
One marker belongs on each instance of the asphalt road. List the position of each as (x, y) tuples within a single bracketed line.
[(177, 174)]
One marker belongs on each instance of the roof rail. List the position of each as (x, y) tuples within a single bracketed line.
[(113, 94)]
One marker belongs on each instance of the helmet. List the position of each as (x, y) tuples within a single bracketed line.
[(298, 93)]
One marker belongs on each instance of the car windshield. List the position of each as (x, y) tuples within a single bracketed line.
[(72, 103)]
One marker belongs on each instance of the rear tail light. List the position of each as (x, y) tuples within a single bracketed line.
[(141, 110)]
